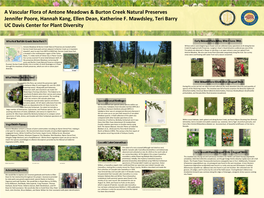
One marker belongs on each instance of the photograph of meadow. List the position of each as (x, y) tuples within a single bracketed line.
[(159, 134), (241, 185), (195, 185), (197, 67), (69, 153), (155, 178), (218, 185), (246, 106), (244, 137), (210, 106), (16, 152), (109, 153), (241, 66), (219, 67), (43, 153), (227, 137), (190, 106), (209, 137), (229, 105), (132, 67), (71, 99), (192, 137)]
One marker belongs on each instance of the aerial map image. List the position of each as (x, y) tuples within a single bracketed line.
[(70, 62), (13, 54)]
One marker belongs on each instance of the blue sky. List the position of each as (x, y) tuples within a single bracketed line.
[(148, 46), (73, 84)]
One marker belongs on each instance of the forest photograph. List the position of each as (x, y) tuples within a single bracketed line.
[(71, 99), (132, 67)]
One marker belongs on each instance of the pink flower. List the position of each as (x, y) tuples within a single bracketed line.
[(190, 136), (242, 68), (56, 4), (193, 134), (119, 81), (110, 78)]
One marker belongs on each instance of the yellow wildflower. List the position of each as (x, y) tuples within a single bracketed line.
[(239, 183)]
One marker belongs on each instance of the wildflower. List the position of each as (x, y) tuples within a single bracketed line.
[(120, 81), (242, 68), (190, 136), (110, 78), (240, 182), (193, 134), (56, 4), (152, 138), (201, 33), (209, 104), (246, 106)]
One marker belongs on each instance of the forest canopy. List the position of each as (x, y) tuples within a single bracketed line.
[(125, 52)]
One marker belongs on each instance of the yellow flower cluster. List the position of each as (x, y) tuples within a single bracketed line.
[(241, 186)]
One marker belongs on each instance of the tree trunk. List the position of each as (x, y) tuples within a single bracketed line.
[(157, 55), (136, 54)]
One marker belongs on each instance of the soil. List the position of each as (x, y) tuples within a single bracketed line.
[(220, 64)]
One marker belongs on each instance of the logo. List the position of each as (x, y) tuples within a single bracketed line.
[(227, 17), (249, 17)]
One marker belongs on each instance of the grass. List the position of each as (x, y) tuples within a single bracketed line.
[(159, 135), (70, 112), (209, 137), (244, 138), (247, 106), (196, 68), (141, 3), (229, 106), (156, 179), (43, 155), (210, 106), (12, 156), (192, 137), (141, 80), (190, 104)]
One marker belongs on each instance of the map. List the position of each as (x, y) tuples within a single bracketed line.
[(13, 54), (71, 61)]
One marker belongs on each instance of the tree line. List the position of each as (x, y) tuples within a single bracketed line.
[(17, 146), (71, 95), (130, 52)]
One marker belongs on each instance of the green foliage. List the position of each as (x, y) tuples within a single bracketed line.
[(218, 185), (155, 105), (70, 111), (138, 3), (43, 155), (192, 138), (69, 153), (191, 104), (156, 179), (210, 106), (195, 185), (196, 68), (12, 154), (159, 135), (245, 140), (247, 106), (132, 81), (227, 137), (108, 153), (241, 185), (229, 106), (210, 137)]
